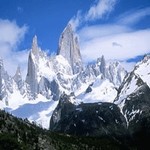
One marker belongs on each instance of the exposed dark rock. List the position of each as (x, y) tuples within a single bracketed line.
[(97, 119), (89, 89)]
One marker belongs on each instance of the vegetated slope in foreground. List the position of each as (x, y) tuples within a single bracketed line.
[(18, 134)]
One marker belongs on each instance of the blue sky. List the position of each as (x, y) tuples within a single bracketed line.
[(117, 29), (45, 18)]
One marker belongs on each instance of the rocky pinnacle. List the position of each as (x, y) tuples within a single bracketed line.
[(69, 49)]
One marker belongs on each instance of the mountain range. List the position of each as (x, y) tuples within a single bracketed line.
[(48, 77), (63, 94)]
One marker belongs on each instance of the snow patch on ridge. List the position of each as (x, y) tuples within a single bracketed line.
[(102, 91)]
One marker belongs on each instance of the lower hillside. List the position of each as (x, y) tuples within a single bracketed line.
[(105, 121), (18, 134), (21, 134)]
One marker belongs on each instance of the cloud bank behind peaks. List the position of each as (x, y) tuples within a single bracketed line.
[(10, 37)]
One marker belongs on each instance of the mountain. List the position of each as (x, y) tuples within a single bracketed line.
[(134, 91), (134, 99), (99, 81), (135, 83), (59, 93), (45, 74), (87, 119), (125, 119), (48, 77), (32, 76), (69, 49)]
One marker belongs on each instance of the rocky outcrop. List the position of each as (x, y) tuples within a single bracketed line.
[(128, 118), (97, 119), (110, 70), (103, 66), (49, 89), (115, 72), (69, 49), (134, 101)]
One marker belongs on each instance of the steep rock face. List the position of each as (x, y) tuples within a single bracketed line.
[(115, 73), (49, 76), (69, 49), (49, 89), (97, 119), (142, 69), (103, 66), (111, 70), (134, 99), (134, 81), (31, 78)]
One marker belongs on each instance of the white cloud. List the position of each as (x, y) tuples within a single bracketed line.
[(132, 17), (10, 37), (101, 8), (96, 11), (76, 20), (97, 31), (118, 40), (132, 44)]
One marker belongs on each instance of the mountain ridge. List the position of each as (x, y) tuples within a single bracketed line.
[(48, 77)]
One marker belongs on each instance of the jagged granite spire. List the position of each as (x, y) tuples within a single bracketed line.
[(103, 65), (69, 49), (31, 77), (35, 45)]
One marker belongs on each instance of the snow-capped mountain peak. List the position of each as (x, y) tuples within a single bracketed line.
[(142, 69), (134, 80)]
